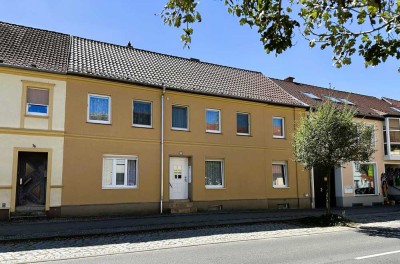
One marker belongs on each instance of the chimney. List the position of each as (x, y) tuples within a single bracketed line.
[(129, 45), (289, 79)]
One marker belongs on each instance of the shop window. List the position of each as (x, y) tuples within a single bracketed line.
[(364, 177)]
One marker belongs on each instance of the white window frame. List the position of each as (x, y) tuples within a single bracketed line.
[(187, 118), (151, 114), (283, 127), (219, 118), (222, 174), (376, 187), (249, 124), (285, 172), (109, 109), (27, 112), (114, 158)]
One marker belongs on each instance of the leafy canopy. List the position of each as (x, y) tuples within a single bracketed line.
[(368, 27), (328, 137)]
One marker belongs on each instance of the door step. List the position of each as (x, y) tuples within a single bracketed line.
[(181, 207), (21, 215)]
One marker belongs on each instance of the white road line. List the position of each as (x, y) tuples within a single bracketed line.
[(378, 255)]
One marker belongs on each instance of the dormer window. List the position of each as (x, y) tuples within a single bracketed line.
[(333, 99), (395, 109), (311, 95), (346, 101)]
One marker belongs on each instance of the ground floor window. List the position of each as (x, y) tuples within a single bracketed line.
[(364, 176), (214, 173), (279, 174), (119, 172)]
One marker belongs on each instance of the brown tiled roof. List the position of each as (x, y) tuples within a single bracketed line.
[(392, 102), (367, 106), (103, 60), (33, 48)]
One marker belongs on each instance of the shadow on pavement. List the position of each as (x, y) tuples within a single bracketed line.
[(387, 232), (115, 239)]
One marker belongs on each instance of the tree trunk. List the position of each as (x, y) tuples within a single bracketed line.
[(328, 192)]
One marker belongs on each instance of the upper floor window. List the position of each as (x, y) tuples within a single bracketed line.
[(278, 127), (99, 109), (37, 102), (142, 114), (243, 124), (279, 174), (120, 172), (213, 121), (180, 117)]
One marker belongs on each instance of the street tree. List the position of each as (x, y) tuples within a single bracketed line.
[(368, 27), (328, 137)]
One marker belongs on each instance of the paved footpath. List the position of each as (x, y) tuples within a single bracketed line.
[(373, 220)]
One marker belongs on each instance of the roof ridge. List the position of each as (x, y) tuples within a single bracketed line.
[(168, 55), (324, 88), (39, 29)]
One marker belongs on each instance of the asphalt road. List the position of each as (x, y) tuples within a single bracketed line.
[(349, 246)]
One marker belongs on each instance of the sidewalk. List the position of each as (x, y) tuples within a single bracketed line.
[(71, 227)]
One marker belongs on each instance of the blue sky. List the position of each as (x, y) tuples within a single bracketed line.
[(218, 39)]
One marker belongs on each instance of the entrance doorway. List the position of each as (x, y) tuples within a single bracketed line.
[(178, 178), (321, 186), (31, 181)]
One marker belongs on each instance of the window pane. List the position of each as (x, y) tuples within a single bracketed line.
[(278, 175), (394, 123), (107, 172), (179, 117), (37, 96), (40, 109), (242, 123), (131, 172), (120, 172), (99, 108), (277, 127), (212, 120), (364, 178), (395, 149), (214, 173), (142, 113), (394, 136)]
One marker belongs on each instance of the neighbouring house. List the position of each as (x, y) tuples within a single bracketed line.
[(92, 128), (357, 184)]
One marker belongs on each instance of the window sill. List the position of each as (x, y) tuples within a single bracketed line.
[(215, 188), (363, 195), (243, 135), (37, 116), (281, 187), (98, 123), (119, 188), (139, 126), (180, 129), (213, 132), (278, 137)]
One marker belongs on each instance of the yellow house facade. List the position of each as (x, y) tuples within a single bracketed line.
[(90, 128)]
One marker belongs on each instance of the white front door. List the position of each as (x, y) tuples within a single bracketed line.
[(178, 178)]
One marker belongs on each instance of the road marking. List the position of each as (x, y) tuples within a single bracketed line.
[(378, 255)]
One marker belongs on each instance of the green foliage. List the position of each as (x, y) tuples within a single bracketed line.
[(325, 220), (370, 28), (328, 137)]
